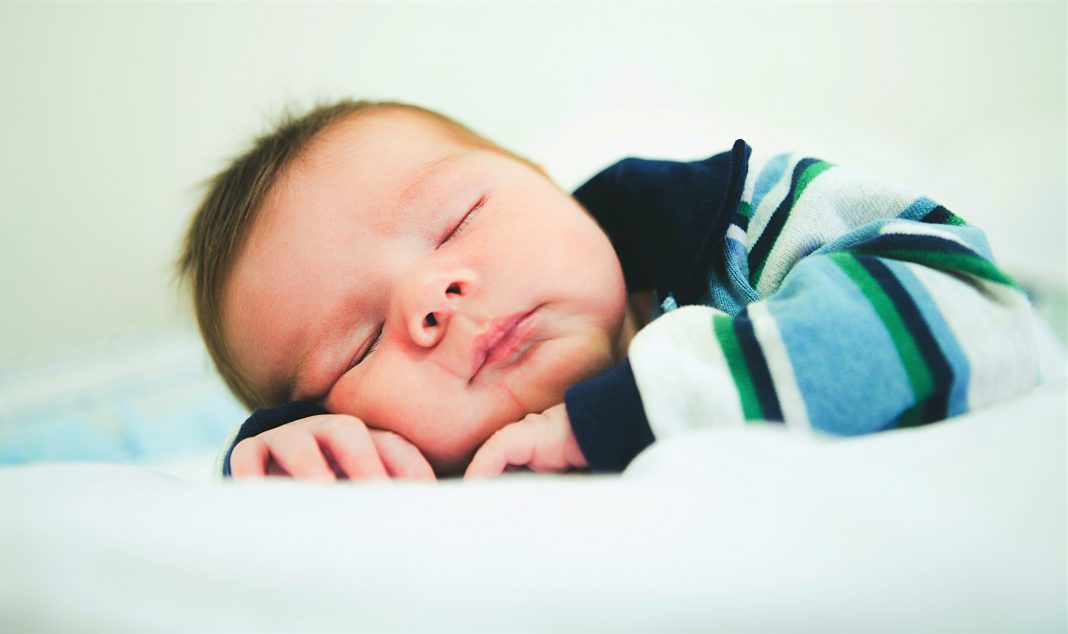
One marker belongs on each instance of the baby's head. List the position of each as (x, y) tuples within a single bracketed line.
[(387, 262)]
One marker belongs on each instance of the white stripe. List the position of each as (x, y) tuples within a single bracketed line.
[(782, 370), (994, 328), (921, 229), (836, 202), (682, 375), (735, 232)]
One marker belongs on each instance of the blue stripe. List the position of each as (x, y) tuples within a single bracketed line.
[(733, 296), (918, 209), (843, 357), (934, 404), (769, 176)]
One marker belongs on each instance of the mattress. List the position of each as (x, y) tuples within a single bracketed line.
[(958, 526)]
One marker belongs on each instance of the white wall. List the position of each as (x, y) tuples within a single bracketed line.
[(112, 114)]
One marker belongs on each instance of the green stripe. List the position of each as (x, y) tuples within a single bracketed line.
[(745, 209), (912, 417), (754, 277), (946, 261), (954, 219), (732, 350), (919, 374), (811, 172)]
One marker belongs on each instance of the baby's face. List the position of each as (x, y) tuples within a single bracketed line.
[(484, 290)]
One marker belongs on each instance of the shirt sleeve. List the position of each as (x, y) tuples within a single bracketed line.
[(847, 306), (608, 419)]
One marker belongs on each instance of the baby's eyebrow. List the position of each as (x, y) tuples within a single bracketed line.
[(424, 173)]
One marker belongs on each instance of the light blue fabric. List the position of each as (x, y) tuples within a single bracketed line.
[(859, 364), (134, 399), (769, 175)]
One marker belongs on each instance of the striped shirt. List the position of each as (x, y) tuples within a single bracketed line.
[(794, 291)]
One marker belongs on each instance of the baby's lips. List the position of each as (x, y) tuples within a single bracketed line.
[(499, 340)]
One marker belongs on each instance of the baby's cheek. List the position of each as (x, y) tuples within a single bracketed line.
[(420, 410), (565, 362), (341, 398)]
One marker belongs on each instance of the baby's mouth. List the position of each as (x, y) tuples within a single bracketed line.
[(503, 342)]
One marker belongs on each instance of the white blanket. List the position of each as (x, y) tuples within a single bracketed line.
[(955, 527)]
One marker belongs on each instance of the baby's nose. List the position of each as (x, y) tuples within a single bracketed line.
[(436, 302)]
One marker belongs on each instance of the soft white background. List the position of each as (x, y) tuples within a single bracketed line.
[(112, 114)]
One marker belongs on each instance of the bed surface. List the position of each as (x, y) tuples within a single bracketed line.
[(959, 526)]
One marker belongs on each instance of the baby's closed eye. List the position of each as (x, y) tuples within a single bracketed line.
[(374, 346), (460, 227)]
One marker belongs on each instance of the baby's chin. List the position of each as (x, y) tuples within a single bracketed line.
[(450, 468), (512, 403), (450, 457)]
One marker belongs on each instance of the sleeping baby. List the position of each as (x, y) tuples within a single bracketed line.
[(398, 297)]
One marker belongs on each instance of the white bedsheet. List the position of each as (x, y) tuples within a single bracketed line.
[(955, 527)]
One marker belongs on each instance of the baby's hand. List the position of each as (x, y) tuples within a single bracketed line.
[(541, 442), (327, 447)]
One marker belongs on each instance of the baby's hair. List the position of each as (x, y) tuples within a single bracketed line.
[(223, 220)]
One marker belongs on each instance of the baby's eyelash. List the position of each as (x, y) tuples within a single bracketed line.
[(372, 348), (467, 218), (374, 344)]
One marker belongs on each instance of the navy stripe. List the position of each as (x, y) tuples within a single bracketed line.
[(741, 220), (936, 405), (938, 215), (758, 367), (913, 242), (771, 232)]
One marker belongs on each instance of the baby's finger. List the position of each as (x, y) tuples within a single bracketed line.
[(276, 471), (401, 458), (512, 445), (249, 459), (294, 448), (349, 444)]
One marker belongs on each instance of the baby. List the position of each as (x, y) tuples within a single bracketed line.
[(429, 303)]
